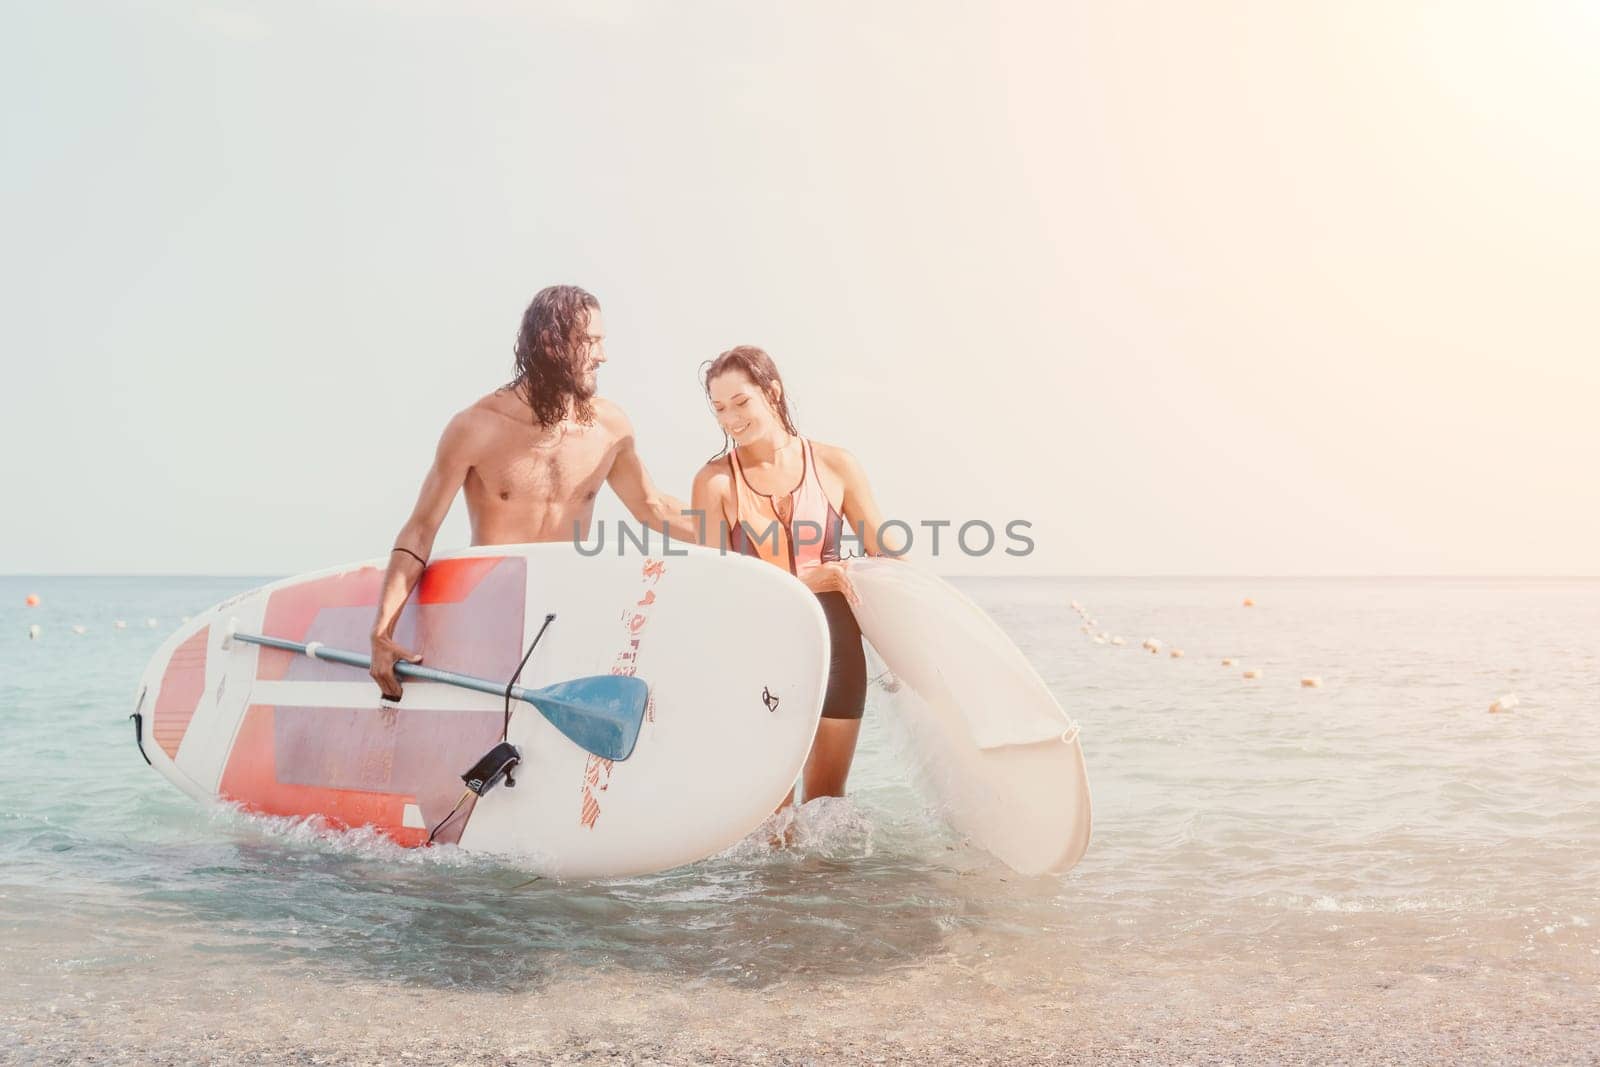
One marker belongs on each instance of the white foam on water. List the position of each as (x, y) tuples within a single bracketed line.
[(828, 827), (1371, 905), (315, 832)]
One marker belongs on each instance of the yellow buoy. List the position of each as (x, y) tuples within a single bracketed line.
[(1252, 673)]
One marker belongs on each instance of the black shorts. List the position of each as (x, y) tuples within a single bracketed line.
[(847, 672)]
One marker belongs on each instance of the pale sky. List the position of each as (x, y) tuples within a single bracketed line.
[(1222, 288)]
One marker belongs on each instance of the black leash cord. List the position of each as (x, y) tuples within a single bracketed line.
[(505, 729), (512, 684), (465, 793)]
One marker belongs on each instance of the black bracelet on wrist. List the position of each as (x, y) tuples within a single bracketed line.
[(410, 553)]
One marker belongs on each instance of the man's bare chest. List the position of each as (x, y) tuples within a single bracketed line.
[(572, 469)]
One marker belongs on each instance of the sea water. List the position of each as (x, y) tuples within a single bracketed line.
[(1375, 868)]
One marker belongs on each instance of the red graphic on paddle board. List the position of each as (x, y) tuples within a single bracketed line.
[(358, 766), (597, 769), (366, 766), (181, 685)]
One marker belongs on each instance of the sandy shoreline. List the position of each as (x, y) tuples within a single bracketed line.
[(930, 1015)]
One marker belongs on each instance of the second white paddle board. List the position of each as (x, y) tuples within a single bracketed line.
[(1000, 758)]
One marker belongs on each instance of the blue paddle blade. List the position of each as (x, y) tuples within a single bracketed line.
[(601, 713)]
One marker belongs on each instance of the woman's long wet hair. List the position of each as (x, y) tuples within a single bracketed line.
[(550, 351), (760, 369)]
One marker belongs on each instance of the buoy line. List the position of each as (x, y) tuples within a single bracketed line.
[(1155, 646)]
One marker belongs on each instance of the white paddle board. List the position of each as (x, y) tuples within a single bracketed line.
[(734, 652), (998, 755)]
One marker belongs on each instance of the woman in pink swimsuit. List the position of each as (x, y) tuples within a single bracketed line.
[(773, 494)]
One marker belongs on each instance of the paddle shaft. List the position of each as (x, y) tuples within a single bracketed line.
[(317, 650)]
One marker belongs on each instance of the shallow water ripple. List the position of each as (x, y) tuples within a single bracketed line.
[(1253, 839)]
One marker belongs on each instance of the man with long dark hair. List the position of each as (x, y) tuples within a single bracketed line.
[(531, 456)]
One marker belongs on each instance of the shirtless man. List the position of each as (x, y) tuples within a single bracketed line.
[(531, 456)]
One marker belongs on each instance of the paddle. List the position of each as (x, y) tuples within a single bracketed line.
[(600, 713)]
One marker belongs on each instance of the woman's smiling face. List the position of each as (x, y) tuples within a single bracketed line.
[(744, 412)]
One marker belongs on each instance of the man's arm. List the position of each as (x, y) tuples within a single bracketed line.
[(412, 545), (632, 484)]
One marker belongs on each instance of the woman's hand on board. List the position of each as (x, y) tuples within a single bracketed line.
[(833, 577)]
